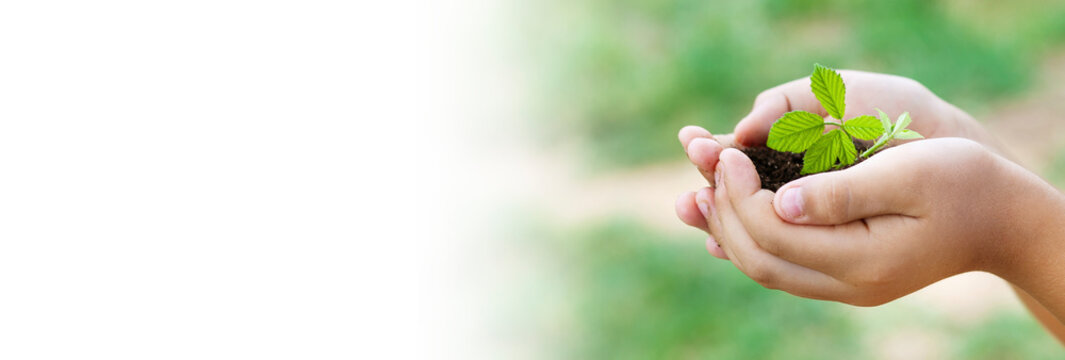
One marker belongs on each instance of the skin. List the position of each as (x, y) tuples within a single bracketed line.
[(908, 217)]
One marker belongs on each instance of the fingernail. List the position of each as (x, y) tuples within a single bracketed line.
[(704, 201), (791, 203), (719, 172)]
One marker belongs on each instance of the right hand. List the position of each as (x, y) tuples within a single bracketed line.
[(897, 222)]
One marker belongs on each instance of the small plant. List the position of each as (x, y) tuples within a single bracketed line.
[(800, 131)]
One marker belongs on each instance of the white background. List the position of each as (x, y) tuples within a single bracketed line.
[(229, 179)]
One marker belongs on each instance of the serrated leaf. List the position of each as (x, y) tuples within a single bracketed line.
[(833, 147), (885, 120), (795, 131), (902, 123), (828, 87), (864, 127), (907, 134)]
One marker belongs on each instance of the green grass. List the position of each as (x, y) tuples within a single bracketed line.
[(622, 76)]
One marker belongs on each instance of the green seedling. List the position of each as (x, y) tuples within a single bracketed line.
[(800, 131)]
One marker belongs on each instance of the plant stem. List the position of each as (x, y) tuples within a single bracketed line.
[(880, 143), (833, 123)]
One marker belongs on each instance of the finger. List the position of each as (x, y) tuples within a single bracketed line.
[(742, 176), (835, 250), (704, 200), (715, 249), (874, 187), (770, 271), (739, 181), (703, 153), (717, 226), (827, 249), (770, 105), (692, 132), (689, 213)]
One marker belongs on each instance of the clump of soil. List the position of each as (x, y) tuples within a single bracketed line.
[(777, 168)]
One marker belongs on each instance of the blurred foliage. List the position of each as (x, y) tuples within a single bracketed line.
[(1008, 336), (624, 75), (1055, 170), (628, 292), (636, 295)]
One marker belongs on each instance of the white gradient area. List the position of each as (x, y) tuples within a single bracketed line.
[(227, 179)]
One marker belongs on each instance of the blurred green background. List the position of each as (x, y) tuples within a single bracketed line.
[(616, 79), (625, 75)]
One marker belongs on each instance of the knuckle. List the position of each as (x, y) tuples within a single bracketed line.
[(769, 95), (763, 96), (762, 275)]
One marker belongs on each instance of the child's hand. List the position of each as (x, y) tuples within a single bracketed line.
[(909, 216)]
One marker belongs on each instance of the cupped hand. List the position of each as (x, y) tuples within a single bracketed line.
[(866, 92), (903, 219)]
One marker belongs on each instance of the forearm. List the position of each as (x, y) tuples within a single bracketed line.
[(1032, 254), (1044, 295)]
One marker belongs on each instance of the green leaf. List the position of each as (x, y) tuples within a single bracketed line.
[(795, 131), (864, 127), (901, 124), (908, 134), (885, 120), (828, 87), (833, 147)]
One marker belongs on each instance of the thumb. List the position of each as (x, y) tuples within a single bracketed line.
[(840, 197)]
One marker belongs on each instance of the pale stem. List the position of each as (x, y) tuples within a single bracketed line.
[(876, 146)]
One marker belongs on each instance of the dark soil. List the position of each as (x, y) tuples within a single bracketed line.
[(777, 168)]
